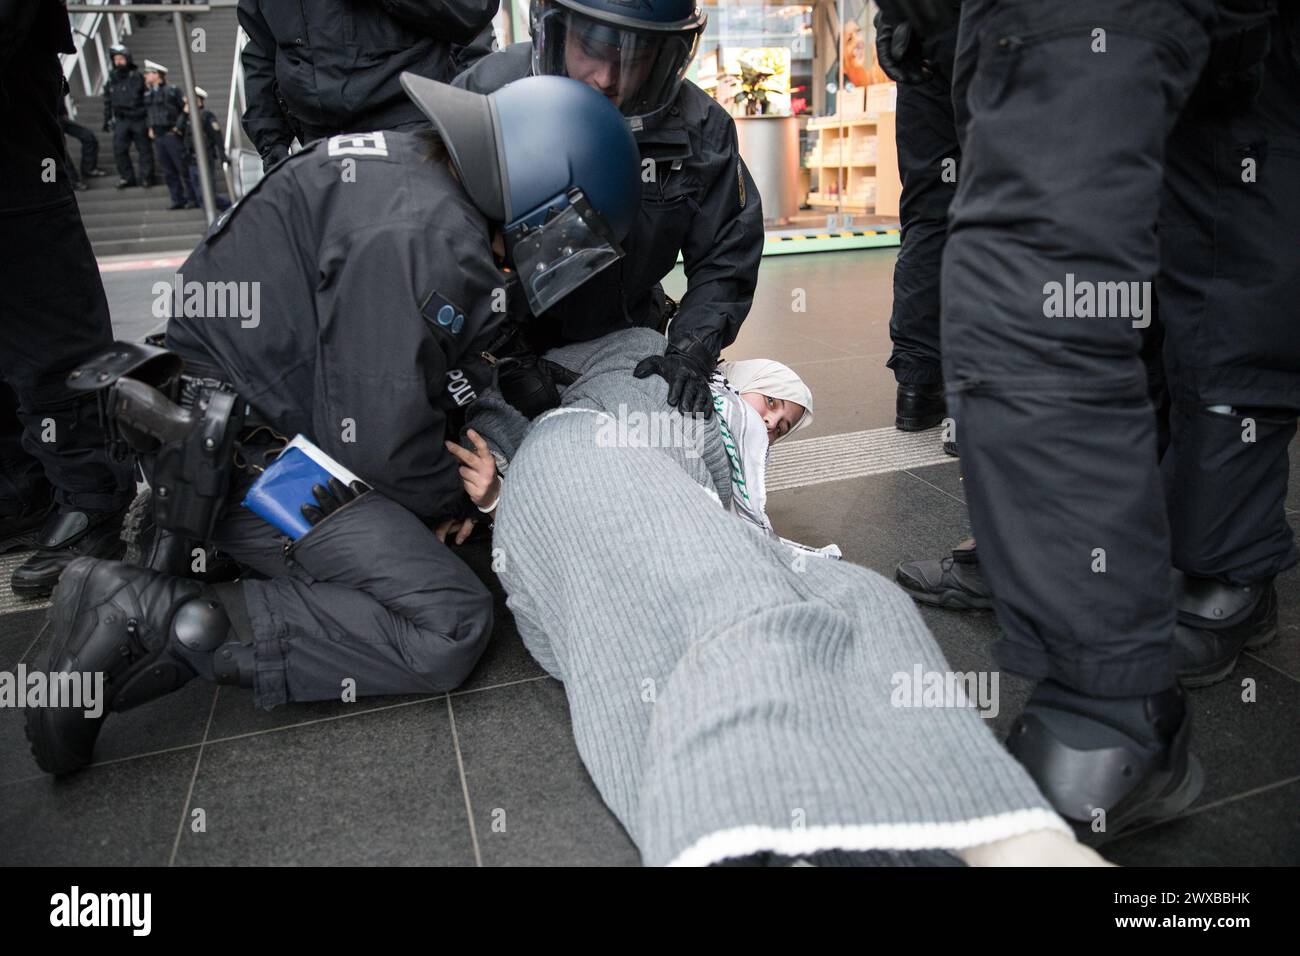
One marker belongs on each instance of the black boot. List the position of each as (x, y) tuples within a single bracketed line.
[(68, 535), (1127, 757), (147, 633), (21, 528), (1216, 622), (952, 582), (919, 407)]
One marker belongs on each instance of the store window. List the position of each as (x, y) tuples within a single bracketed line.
[(812, 109), (814, 113)]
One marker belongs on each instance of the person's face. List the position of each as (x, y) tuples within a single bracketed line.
[(152, 78), (779, 415), (119, 60), (601, 67)]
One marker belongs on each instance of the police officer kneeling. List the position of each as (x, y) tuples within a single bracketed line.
[(370, 261)]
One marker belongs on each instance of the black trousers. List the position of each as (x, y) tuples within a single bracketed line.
[(126, 132), (176, 174), (928, 160), (89, 144), (53, 313), (1070, 156)]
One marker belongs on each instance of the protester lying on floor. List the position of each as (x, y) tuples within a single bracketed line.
[(758, 402), (730, 697)]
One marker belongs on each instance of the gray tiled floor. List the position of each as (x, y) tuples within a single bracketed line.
[(490, 773)]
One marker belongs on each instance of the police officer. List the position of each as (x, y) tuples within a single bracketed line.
[(335, 65), (375, 261), (216, 153), (89, 145), (928, 160), (164, 106), (698, 199), (1086, 130), (59, 490), (126, 116)]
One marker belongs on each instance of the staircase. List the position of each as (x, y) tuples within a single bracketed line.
[(137, 221)]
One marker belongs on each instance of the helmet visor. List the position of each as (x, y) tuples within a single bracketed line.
[(557, 257), (639, 70)]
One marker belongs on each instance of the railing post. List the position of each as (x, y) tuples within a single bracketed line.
[(196, 119)]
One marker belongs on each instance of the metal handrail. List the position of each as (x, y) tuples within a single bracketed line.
[(86, 28), (178, 14)]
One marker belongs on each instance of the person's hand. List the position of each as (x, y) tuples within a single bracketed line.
[(330, 498), (687, 372), (461, 527), (151, 132), (478, 470), (108, 124), (899, 51)]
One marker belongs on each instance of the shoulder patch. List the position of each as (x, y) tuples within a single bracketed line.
[(358, 144), (440, 312)]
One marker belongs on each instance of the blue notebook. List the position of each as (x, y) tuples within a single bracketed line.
[(280, 492)]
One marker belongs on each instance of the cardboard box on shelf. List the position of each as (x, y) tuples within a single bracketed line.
[(881, 98)]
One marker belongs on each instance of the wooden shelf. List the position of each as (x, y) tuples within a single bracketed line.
[(833, 122)]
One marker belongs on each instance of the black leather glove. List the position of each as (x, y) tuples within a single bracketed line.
[(927, 16), (687, 369), (330, 499), (898, 49), (273, 156)]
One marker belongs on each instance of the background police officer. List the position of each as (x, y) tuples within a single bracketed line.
[(216, 152), (372, 257), (698, 199), (335, 65), (928, 159), (164, 106), (126, 116)]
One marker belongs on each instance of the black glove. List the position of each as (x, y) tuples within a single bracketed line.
[(108, 124), (927, 16), (898, 49), (331, 499), (273, 156), (687, 371)]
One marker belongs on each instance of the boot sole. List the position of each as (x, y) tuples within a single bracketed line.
[(950, 599), (49, 759), (918, 424), (1165, 807), (1221, 672)]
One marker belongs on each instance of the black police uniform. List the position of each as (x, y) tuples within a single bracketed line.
[(124, 90), (1067, 146), (336, 64), (89, 144), (928, 160), (164, 107), (701, 202), (375, 282), (216, 154), (52, 301)]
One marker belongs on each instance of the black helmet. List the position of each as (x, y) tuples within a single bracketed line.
[(634, 51), (553, 163), (117, 48)]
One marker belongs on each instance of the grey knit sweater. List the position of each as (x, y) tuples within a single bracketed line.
[(728, 697)]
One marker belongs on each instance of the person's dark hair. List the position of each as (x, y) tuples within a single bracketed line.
[(431, 145)]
